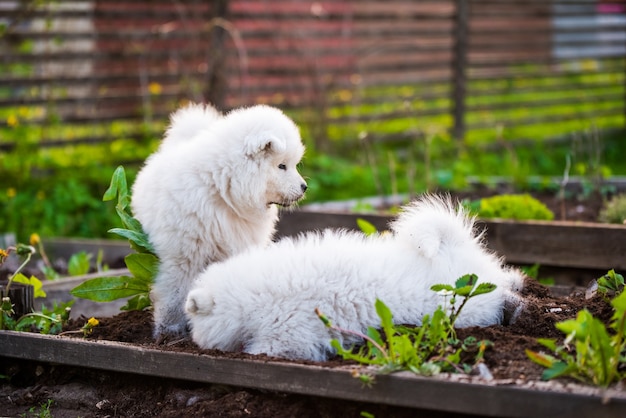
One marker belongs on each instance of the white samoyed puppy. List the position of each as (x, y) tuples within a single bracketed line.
[(264, 300), (210, 191)]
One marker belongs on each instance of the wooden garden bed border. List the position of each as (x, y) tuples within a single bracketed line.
[(400, 389)]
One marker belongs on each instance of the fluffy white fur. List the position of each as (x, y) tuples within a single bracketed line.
[(263, 300), (210, 191)]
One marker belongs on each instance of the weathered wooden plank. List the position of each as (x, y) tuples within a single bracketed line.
[(570, 244), (112, 250), (400, 389)]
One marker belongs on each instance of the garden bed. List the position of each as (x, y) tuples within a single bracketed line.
[(180, 379), (119, 371)]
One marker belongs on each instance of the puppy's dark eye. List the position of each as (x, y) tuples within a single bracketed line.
[(282, 166)]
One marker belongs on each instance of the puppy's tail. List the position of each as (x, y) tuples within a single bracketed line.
[(432, 222), (187, 121)]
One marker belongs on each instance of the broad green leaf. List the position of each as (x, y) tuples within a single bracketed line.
[(128, 221), (559, 368), (367, 227), (106, 289), (143, 266), (576, 326), (118, 185), (38, 291), (79, 264), (137, 303), (483, 288), (466, 280), (549, 343), (135, 237), (463, 291), (619, 303)]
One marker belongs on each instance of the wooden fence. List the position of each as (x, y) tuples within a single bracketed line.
[(350, 69)]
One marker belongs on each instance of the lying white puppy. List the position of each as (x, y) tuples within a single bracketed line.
[(209, 192), (264, 300)]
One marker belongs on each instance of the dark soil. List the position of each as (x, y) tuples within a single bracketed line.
[(90, 393)]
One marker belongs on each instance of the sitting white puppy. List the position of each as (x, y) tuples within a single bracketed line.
[(264, 300), (209, 192)]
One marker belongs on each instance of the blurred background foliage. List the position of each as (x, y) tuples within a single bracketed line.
[(377, 106)]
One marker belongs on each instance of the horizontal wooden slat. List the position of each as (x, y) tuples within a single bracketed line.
[(398, 389), (291, 53)]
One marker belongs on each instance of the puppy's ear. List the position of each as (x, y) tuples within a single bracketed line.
[(199, 302), (263, 142)]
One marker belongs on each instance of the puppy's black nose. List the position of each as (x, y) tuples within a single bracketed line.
[(303, 186)]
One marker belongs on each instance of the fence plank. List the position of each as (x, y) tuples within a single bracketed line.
[(297, 55)]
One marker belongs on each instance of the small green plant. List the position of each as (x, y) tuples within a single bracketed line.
[(79, 263), (142, 264), (44, 410), (46, 321), (611, 284), (614, 211), (591, 353), (427, 349), (512, 206)]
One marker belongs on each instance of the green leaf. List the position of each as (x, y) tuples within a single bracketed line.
[(79, 264), (540, 358), (619, 303), (463, 291), (465, 284), (143, 266), (549, 343), (575, 326), (138, 238), (559, 368), (37, 285), (483, 288), (375, 336), (367, 227), (107, 289), (466, 280), (128, 221), (118, 184), (440, 287), (137, 303), (386, 320), (611, 282)]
